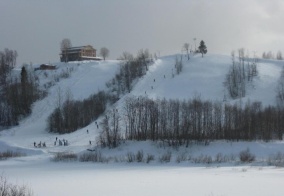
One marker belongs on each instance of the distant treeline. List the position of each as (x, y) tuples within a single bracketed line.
[(179, 122)]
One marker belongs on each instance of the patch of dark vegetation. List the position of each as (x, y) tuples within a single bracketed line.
[(246, 156), (65, 157), (276, 160), (10, 154)]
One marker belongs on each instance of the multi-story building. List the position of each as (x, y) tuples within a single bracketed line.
[(78, 54)]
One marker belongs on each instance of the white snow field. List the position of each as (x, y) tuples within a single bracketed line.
[(202, 77)]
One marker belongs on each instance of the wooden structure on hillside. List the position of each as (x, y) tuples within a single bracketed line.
[(46, 67), (78, 54)]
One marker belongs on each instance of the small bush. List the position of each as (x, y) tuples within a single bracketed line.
[(203, 159), (119, 159), (140, 156), (8, 189), (220, 158), (9, 154), (64, 156), (150, 158), (165, 158), (276, 160), (130, 157), (181, 157), (246, 157), (93, 157)]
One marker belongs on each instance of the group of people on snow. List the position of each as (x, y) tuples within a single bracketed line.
[(39, 145), (61, 142)]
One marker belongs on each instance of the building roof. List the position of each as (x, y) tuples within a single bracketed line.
[(79, 48)]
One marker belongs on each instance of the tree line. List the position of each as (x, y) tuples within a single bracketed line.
[(178, 122), (17, 93), (240, 74), (72, 115), (270, 55)]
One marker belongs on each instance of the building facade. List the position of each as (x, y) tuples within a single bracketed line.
[(78, 54)]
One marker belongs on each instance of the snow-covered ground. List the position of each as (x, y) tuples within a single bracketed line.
[(201, 77)]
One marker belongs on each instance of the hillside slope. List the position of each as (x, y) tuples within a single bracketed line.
[(204, 77), (201, 77)]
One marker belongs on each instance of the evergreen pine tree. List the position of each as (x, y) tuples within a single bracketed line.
[(202, 48)]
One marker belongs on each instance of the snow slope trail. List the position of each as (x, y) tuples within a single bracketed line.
[(86, 79)]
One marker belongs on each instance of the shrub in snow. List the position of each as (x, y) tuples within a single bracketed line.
[(207, 159), (10, 154), (118, 159), (95, 156), (219, 158), (8, 189), (64, 156), (165, 158), (181, 157), (276, 160), (130, 157), (150, 158), (140, 156), (246, 156)]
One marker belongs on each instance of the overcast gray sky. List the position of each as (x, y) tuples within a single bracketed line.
[(35, 28)]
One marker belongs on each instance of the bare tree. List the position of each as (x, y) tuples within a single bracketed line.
[(186, 47), (280, 90), (64, 45), (279, 55), (104, 52), (178, 65), (110, 135), (194, 44)]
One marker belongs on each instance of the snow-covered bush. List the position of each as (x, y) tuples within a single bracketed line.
[(165, 158), (205, 159), (95, 156), (140, 156), (181, 157), (276, 160), (150, 158), (130, 157), (9, 154), (64, 156), (246, 156)]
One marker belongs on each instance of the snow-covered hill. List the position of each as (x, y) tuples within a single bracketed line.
[(204, 77), (201, 77)]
